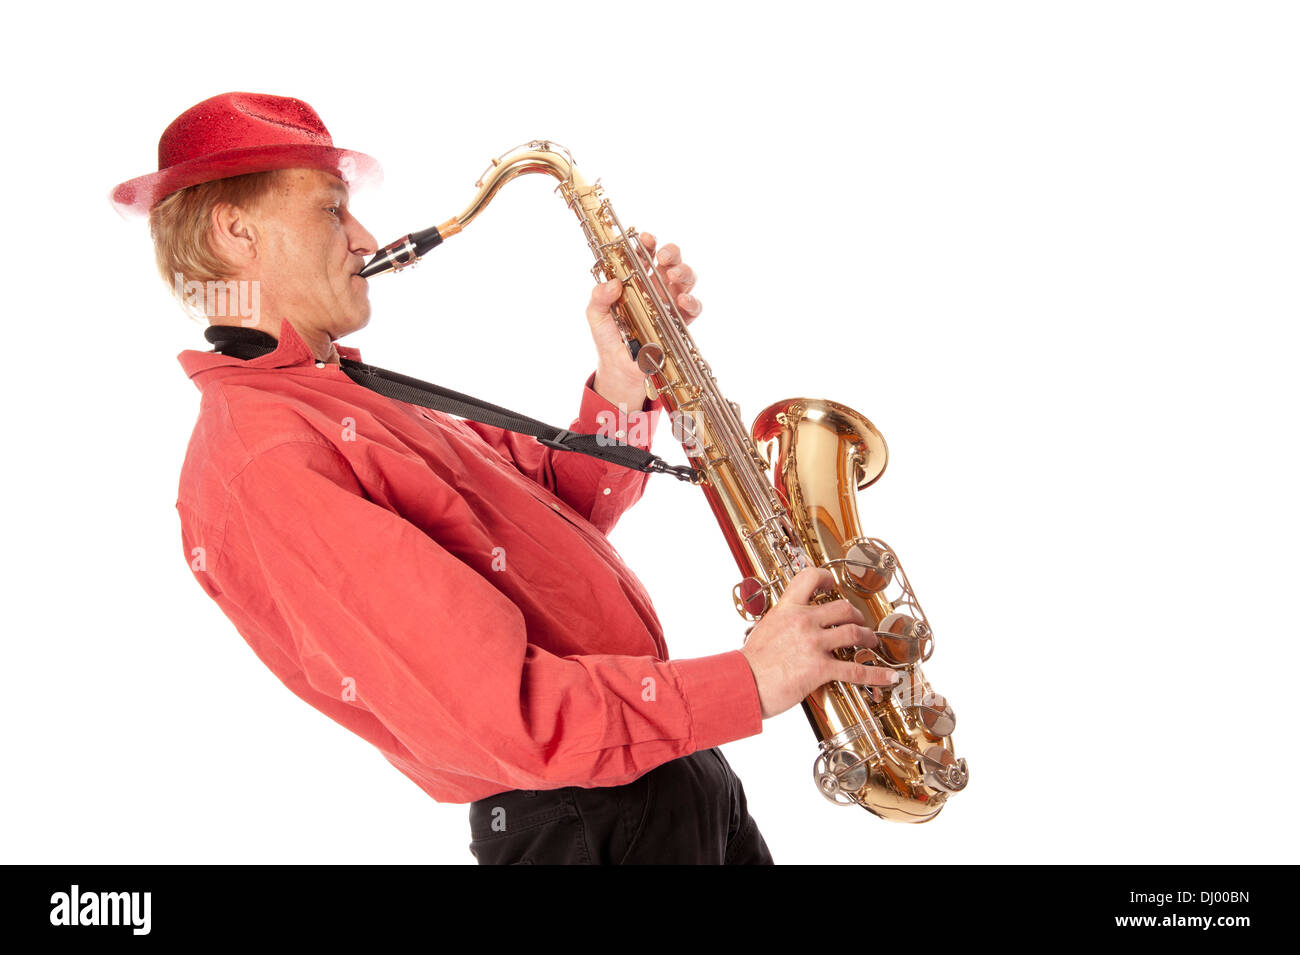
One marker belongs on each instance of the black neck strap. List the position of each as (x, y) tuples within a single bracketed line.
[(224, 336), (246, 343)]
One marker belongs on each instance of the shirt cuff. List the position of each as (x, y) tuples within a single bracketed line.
[(721, 696), (635, 427)]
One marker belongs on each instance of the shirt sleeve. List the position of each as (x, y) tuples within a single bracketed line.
[(442, 658), (596, 489)]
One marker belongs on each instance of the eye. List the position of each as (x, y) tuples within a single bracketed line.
[(333, 210)]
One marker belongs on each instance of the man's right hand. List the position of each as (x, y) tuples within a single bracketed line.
[(789, 650)]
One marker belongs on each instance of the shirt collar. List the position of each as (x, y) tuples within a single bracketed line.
[(290, 351)]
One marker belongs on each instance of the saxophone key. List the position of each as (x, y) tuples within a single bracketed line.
[(936, 717), (944, 771), (840, 774), (752, 598), (869, 569), (903, 640), (650, 359)]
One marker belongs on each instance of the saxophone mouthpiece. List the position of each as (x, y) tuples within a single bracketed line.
[(405, 251)]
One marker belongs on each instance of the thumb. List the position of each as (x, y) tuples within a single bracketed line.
[(602, 297)]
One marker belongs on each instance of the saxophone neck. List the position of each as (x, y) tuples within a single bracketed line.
[(538, 156)]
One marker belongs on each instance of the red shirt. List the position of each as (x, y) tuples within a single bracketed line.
[(442, 588)]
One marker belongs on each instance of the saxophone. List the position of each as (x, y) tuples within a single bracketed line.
[(888, 751)]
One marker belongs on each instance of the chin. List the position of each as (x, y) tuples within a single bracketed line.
[(355, 322)]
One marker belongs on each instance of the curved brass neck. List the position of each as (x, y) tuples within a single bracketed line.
[(538, 156)]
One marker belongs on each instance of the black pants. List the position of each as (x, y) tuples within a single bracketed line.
[(690, 811)]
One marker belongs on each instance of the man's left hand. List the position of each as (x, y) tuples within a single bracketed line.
[(618, 380)]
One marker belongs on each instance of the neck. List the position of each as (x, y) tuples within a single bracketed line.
[(322, 347)]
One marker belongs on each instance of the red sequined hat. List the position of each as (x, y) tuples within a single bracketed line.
[(237, 133)]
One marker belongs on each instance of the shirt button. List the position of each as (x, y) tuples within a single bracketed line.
[(320, 364), (554, 506), (606, 491), (620, 434)]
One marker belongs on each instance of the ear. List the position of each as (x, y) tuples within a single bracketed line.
[(235, 236)]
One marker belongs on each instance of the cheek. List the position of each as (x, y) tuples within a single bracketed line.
[(281, 243)]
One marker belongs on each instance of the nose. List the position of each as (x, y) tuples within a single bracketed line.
[(360, 241)]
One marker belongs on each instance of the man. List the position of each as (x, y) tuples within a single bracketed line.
[(443, 588)]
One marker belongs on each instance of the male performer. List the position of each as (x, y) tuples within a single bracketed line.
[(443, 588)]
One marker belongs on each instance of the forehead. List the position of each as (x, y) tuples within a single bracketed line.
[(311, 184)]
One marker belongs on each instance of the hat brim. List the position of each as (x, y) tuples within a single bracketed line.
[(136, 197)]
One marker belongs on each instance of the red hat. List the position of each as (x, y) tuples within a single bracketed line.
[(237, 133)]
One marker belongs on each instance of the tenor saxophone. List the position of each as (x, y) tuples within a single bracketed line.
[(890, 752)]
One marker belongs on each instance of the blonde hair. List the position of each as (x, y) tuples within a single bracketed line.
[(181, 227)]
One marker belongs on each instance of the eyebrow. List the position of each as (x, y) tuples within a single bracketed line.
[(339, 193)]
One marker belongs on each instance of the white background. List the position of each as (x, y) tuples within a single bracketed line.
[(1049, 249)]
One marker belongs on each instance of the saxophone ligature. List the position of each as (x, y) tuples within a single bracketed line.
[(888, 751)]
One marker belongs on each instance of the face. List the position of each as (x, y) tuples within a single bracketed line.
[(309, 252)]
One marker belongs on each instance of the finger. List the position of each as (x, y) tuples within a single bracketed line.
[(690, 307), (669, 256), (848, 635), (837, 612), (648, 248), (681, 277), (804, 583), (602, 297), (861, 675)]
